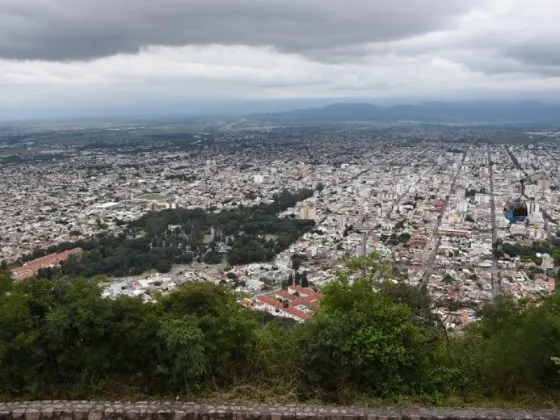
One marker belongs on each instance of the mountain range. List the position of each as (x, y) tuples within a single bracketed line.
[(432, 112)]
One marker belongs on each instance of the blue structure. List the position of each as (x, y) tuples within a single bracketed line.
[(516, 212)]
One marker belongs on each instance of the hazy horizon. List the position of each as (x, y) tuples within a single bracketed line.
[(234, 109)]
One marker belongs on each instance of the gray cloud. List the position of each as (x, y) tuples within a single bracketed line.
[(536, 52), (84, 29)]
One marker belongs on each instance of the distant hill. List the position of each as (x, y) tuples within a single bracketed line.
[(431, 112)]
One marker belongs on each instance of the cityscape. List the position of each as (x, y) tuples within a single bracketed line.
[(424, 199), (279, 209)]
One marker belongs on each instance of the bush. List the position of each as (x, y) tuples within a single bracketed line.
[(370, 338), (366, 341), (512, 347)]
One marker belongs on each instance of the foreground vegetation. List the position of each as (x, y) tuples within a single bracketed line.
[(370, 341)]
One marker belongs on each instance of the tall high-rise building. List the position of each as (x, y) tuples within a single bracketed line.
[(462, 206), (544, 183), (307, 211), (341, 224), (533, 207)]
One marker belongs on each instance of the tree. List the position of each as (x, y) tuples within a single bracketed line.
[(556, 361), (399, 225), (304, 281), (403, 237), (5, 281), (184, 342), (512, 346), (556, 257), (372, 336), (361, 339), (45, 272), (298, 278), (213, 257), (164, 266), (290, 280), (448, 279), (229, 332), (297, 260), (3, 265)]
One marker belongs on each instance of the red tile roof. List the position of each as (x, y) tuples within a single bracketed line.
[(32, 268), (310, 300)]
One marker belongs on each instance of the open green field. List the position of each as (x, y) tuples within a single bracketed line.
[(514, 138), (17, 151), (152, 197)]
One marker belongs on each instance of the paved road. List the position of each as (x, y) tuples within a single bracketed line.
[(496, 283), (435, 234), (514, 161)]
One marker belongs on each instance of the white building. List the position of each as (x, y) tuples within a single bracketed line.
[(544, 183), (462, 207), (307, 211)]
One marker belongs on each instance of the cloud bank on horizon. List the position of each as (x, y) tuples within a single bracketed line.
[(106, 52)]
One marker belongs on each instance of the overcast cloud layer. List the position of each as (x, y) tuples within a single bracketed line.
[(63, 53)]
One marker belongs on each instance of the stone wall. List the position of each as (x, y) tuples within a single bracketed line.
[(84, 410)]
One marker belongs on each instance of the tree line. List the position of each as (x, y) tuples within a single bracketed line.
[(370, 340), (158, 240)]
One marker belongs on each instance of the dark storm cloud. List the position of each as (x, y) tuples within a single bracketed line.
[(544, 52), (531, 56), (86, 29)]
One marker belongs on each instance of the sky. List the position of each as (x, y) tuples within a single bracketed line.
[(144, 54)]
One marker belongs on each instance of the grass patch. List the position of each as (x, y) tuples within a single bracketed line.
[(152, 197), (16, 151)]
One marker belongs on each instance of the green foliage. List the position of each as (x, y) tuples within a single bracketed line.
[(512, 347), (5, 281), (184, 343), (62, 339), (163, 266), (404, 237), (527, 252), (297, 260), (149, 242), (304, 281), (448, 279), (556, 361), (368, 341), (556, 257), (372, 337), (297, 279), (251, 195)]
